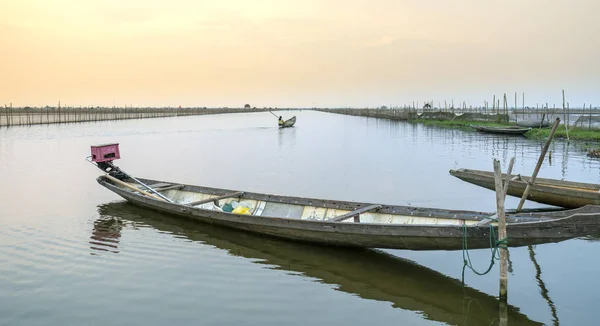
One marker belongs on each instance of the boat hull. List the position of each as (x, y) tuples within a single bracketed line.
[(544, 191), (369, 274), (503, 131), (373, 235)]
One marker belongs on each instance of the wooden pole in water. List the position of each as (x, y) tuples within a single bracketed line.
[(515, 110), (538, 165), (501, 230), (565, 116), (590, 121), (523, 104), (508, 175)]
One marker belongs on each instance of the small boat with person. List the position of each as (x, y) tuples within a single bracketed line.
[(287, 123), (340, 223)]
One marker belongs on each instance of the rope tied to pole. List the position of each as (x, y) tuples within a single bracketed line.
[(495, 245)]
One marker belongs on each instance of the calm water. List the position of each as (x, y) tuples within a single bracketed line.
[(74, 253)]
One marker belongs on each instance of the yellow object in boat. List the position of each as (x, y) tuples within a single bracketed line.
[(241, 210)]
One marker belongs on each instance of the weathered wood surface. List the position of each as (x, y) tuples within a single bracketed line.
[(501, 130), (215, 199), (501, 229), (559, 193), (549, 226), (136, 189), (355, 213)]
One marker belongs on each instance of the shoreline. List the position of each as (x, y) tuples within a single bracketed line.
[(581, 136)]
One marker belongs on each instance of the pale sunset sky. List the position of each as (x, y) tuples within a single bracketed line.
[(283, 53)]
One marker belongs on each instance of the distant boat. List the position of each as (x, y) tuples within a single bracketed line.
[(534, 123), (288, 123), (508, 130), (559, 193)]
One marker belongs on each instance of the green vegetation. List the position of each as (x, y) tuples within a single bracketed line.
[(574, 134), (577, 134), (460, 124)]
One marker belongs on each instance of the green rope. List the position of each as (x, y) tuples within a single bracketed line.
[(495, 244)]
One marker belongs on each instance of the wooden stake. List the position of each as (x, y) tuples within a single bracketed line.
[(538, 165), (523, 103), (508, 175), (565, 116), (515, 110), (503, 311), (501, 230)]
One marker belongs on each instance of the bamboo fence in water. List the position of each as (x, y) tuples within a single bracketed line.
[(10, 116)]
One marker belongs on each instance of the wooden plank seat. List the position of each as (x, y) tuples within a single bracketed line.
[(215, 199), (156, 185), (355, 213), (168, 188)]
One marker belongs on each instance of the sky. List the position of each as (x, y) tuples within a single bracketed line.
[(306, 53)]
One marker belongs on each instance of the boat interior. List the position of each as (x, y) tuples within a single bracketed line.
[(264, 205)]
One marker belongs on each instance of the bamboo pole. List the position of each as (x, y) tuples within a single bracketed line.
[(590, 121), (565, 116), (538, 165), (515, 110), (501, 230), (523, 104), (508, 175), (124, 184)]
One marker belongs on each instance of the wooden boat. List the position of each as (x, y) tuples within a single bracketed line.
[(352, 224), (508, 130), (288, 123), (545, 191), (367, 274)]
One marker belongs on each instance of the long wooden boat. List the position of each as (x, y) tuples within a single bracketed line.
[(509, 130), (353, 224), (368, 274), (559, 193), (288, 123)]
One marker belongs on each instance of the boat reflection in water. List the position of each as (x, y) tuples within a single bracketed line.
[(106, 234), (370, 274)]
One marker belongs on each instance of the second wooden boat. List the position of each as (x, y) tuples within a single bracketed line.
[(545, 191), (508, 130)]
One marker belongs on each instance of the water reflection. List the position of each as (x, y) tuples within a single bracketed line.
[(369, 274), (105, 235), (286, 137), (543, 289)]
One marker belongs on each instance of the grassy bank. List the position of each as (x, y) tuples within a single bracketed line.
[(460, 124), (589, 140), (561, 132)]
